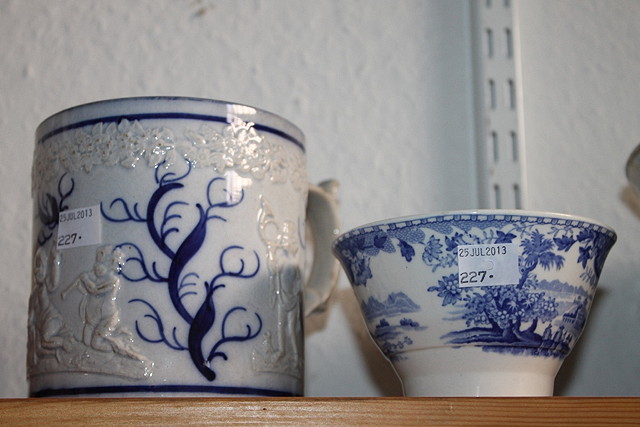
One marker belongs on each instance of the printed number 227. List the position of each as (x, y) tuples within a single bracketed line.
[(67, 239), (473, 276)]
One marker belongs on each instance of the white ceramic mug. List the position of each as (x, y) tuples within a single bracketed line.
[(169, 250)]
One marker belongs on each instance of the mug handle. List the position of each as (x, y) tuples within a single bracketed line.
[(323, 228)]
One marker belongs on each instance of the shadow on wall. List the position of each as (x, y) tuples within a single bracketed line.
[(571, 364), (379, 368), (631, 199)]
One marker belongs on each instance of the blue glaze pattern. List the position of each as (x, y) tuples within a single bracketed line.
[(181, 261), (162, 219), (539, 315)]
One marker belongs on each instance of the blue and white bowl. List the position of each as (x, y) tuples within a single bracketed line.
[(476, 303)]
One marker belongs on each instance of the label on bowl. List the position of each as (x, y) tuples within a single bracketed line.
[(488, 265), (79, 227)]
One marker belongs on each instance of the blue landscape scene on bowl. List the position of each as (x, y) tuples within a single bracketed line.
[(536, 316)]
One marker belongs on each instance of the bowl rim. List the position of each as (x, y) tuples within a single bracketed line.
[(442, 216)]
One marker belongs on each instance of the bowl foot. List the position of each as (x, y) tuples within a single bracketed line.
[(470, 371)]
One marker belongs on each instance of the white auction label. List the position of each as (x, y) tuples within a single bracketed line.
[(79, 227), (488, 265)]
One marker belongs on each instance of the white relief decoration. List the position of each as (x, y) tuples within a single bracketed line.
[(238, 147), (281, 350), (49, 337), (93, 342), (76, 324)]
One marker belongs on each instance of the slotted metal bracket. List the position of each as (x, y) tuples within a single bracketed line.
[(498, 104)]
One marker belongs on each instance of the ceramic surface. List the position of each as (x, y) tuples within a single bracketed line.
[(449, 330), (169, 250)]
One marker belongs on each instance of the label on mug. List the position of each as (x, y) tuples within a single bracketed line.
[(79, 227), (488, 265)]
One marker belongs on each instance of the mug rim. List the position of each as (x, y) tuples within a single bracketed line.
[(166, 107), (444, 216)]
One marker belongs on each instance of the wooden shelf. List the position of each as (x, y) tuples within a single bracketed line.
[(324, 411)]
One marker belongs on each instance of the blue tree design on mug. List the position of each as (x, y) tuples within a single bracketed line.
[(163, 220)]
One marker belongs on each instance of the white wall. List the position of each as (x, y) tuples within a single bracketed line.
[(383, 92), (581, 65), (380, 88)]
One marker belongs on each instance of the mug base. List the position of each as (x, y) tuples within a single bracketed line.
[(161, 391)]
